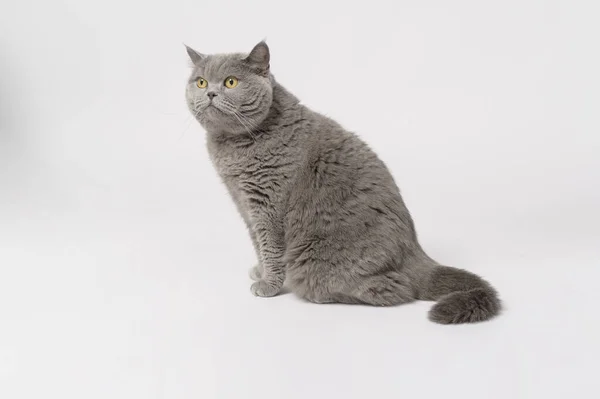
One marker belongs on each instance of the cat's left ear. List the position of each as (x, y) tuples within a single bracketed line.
[(195, 56), (259, 58)]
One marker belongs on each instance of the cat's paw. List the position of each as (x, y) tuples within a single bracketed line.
[(255, 273), (261, 288)]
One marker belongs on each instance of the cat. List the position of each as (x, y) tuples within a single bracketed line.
[(323, 211)]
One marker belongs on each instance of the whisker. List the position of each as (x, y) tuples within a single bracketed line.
[(250, 122), (190, 120), (245, 127), (244, 122)]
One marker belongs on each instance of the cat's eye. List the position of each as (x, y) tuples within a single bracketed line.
[(201, 83), (231, 82)]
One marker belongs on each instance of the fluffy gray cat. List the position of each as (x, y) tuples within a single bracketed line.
[(322, 209)]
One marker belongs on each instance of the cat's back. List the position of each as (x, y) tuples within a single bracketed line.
[(338, 156)]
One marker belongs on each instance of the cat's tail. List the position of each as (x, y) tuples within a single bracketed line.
[(462, 297)]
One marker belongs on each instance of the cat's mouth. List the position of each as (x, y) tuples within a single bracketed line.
[(212, 110), (211, 106)]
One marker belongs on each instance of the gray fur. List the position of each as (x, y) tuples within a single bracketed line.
[(322, 209)]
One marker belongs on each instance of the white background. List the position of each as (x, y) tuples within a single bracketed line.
[(123, 262)]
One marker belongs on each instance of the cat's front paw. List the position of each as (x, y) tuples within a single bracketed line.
[(255, 273), (261, 288)]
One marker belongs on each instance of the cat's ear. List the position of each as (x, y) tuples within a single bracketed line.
[(195, 56), (259, 58)]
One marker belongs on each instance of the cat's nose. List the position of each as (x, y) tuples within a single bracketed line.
[(211, 94)]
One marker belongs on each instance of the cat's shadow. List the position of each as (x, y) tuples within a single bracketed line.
[(285, 290)]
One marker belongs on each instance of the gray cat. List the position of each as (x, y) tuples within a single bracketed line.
[(322, 209)]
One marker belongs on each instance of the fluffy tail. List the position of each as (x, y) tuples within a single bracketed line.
[(463, 297)]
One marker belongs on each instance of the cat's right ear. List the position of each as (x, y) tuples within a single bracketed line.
[(195, 56)]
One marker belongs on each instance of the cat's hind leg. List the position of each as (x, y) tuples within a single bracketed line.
[(391, 288), (387, 289)]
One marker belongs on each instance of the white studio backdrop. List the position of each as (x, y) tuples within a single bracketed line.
[(123, 263)]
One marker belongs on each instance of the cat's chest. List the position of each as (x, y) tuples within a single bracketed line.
[(259, 173), (248, 171), (234, 164), (229, 164)]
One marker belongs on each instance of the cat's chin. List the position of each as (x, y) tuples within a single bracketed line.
[(216, 128), (211, 120)]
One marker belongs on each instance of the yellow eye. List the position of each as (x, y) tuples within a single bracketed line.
[(231, 82), (201, 83)]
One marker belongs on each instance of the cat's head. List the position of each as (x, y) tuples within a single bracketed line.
[(230, 93)]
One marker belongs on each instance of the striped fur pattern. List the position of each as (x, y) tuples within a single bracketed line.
[(323, 211)]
